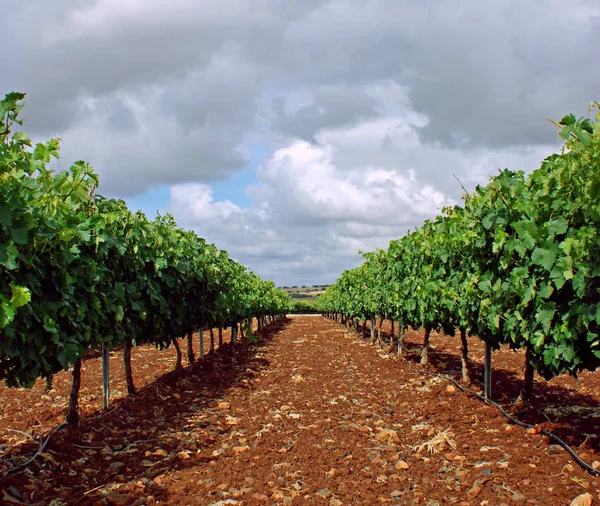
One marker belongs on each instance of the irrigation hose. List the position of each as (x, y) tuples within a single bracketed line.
[(584, 465), (37, 454)]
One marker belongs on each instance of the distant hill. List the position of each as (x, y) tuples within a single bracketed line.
[(305, 292)]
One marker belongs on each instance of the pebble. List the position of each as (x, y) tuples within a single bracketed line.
[(387, 435), (115, 467), (582, 500), (377, 461), (117, 498), (475, 490), (236, 493), (324, 493), (400, 465)]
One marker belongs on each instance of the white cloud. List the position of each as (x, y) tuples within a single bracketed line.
[(308, 217), (369, 109)]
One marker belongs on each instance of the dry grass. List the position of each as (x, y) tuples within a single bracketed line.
[(440, 441)]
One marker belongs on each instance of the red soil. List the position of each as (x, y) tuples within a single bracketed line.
[(311, 414)]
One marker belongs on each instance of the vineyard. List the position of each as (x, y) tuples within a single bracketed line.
[(518, 265), (81, 272), (416, 388)]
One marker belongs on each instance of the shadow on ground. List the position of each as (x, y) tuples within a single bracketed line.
[(144, 435), (571, 415)]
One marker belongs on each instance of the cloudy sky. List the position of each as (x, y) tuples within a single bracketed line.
[(294, 133)]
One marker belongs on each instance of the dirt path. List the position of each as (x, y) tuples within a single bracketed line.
[(310, 415)]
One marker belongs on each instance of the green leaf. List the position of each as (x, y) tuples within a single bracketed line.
[(557, 226), (20, 235), (68, 354), (20, 296), (543, 257), (527, 231), (6, 215), (8, 256), (544, 317), (568, 120), (7, 312), (66, 234)]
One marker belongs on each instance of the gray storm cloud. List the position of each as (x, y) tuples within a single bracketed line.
[(392, 99)]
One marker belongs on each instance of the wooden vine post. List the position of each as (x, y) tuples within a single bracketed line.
[(487, 371), (105, 378), (73, 412), (190, 347)]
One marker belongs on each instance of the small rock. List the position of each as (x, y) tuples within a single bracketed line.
[(387, 435), (324, 493), (554, 449), (117, 498), (518, 497), (432, 502), (396, 493), (240, 449), (115, 467), (287, 500), (335, 502), (223, 405), (450, 389), (596, 464), (260, 497), (377, 461), (582, 500), (486, 472), (400, 465), (475, 490), (11, 499)]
